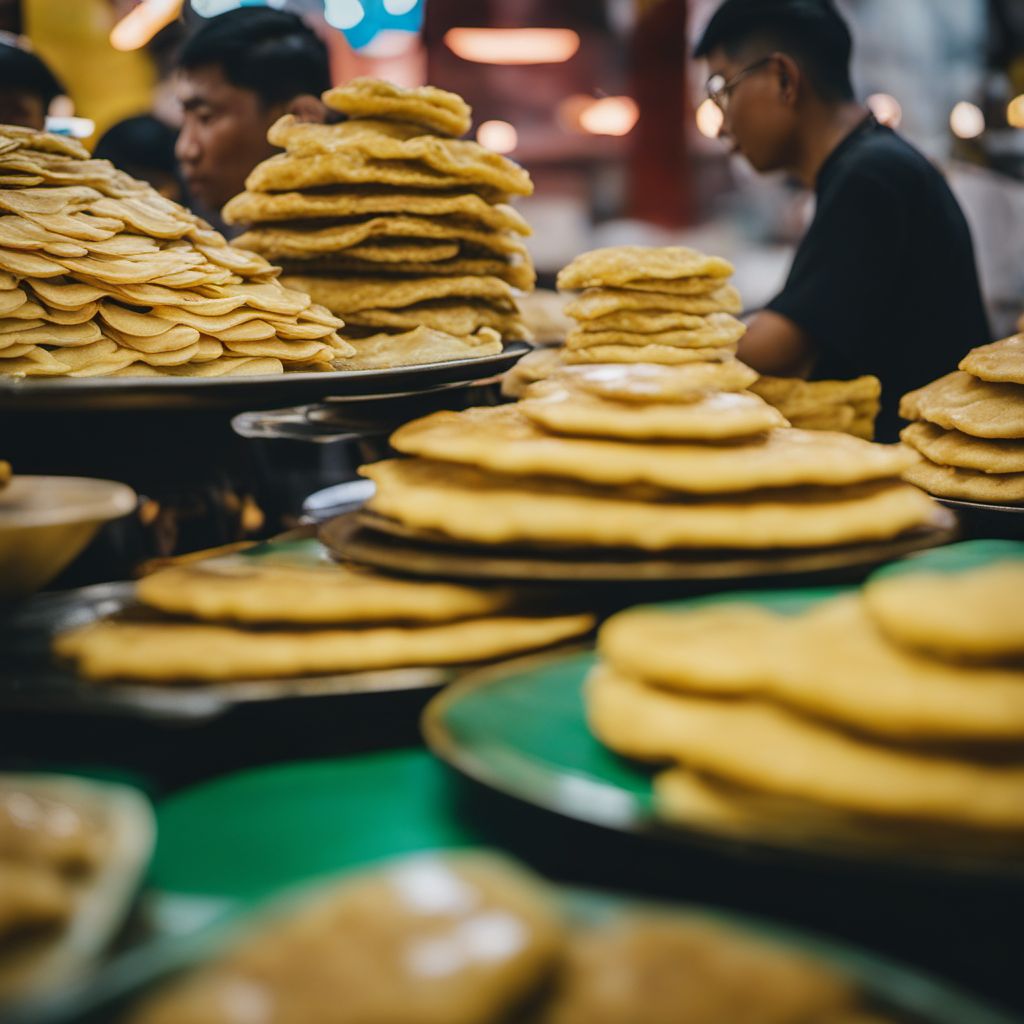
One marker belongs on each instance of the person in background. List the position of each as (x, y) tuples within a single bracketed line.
[(237, 75), (884, 282), (144, 147), (27, 87)]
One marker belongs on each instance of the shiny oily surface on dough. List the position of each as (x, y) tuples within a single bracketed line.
[(483, 508), (503, 440), (644, 383)]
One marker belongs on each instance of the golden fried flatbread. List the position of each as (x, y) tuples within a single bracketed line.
[(173, 338), (598, 303), (172, 651), (831, 662), (443, 112), (519, 273), (717, 330), (418, 346), (975, 614), (224, 366), (259, 207), (959, 401), (454, 316), (797, 397), (643, 322), (665, 355), (559, 407), (246, 588), (644, 383), (484, 508), (967, 484), (622, 265), (1001, 362), (536, 365), (770, 749), (503, 440), (952, 448), (347, 295)]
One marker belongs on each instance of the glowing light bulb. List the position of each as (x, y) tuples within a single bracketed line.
[(967, 120), (513, 45), (886, 109), (499, 136), (709, 119), (612, 115)]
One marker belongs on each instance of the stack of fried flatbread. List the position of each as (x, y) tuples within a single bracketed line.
[(847, 405), (395, 224), (644, 456), (661, 304), (877, 713), (100, 275), (468, 938), (970, 427), (279, 615)]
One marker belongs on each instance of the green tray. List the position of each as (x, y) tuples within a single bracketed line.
[(520, 728), (228, 845)]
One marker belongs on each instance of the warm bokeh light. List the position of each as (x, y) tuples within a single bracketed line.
[(343, 14), (499, 136), (709, 119), (1015, 112), (612, 115), (967, 120), (886, 109), (513, 45), (141, 23)]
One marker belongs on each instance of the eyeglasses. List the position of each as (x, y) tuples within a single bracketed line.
[(719, 89)]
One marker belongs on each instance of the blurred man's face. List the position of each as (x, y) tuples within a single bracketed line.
[(223, 135), (22, 108), (759, 121)]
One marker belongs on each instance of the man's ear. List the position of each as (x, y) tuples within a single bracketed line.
[(790, 77), (307, 108)]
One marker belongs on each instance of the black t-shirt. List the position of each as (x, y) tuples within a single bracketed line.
[(884, 281)]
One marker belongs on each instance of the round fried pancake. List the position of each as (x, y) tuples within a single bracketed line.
[(965, 613), (644, 383), (770, 749), (598, 303), (831, 662), (1002, 361), (714, 417), (436, 109), (503, 440), (666, 355), (714, 331), (621, 265), (959, 401), (967, 484), (483, 508), (173, 651), (952, 448)]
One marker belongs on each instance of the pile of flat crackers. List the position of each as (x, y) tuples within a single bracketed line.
[(969, 427), (100, 275), (847, 405), (395, 224), (648, 457), (285, 613), (879, 714)]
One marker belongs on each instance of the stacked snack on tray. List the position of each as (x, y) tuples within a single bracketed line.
[(100, 275), (644, 456), (471, 939), (395, 224), (880, 712), (285, 614), (969, 427), (847, 405)]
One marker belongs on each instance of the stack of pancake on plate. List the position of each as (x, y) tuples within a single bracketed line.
[(286, 613), (468, 938), (395, 224), (970, 427), (847, 405), (100, 275), (645, 457), (880, 712)]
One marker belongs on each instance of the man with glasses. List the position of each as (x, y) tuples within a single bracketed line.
[(884, 282)]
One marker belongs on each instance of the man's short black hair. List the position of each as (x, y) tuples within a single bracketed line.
[(812, 32), (23, 71), (271, 53)]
